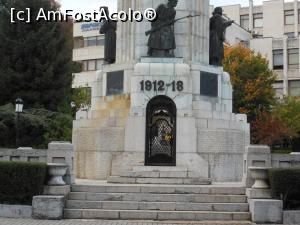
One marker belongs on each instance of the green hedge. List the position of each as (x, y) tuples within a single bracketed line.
[(285, 185), (20, 181)]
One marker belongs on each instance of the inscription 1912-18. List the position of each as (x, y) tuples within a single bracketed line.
[(161, 85)]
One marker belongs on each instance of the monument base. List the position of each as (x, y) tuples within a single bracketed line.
[(170, 107)]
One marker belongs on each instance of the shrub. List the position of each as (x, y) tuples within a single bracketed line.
[(285, 185), (20, 181)]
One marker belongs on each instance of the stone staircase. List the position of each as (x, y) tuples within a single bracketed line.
[(159, 202), (160, 175)]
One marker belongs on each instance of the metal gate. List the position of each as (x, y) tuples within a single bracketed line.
[(161, 132)]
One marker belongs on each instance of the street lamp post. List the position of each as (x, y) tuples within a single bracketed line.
[(19, 109)]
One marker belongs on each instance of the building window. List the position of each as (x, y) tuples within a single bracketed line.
[(258, 20), (290, 34), (293, 58), (245, 22), (278, 59), (92, 65), (299, 16), (294, 87), (289, 17), (94, 41), (278, 87)]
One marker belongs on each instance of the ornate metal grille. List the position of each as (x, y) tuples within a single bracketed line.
[(161, 132)]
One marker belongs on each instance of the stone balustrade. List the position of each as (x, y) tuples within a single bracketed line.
[(57, 152), (260, 156)]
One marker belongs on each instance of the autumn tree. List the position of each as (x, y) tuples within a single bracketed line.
[(252, 81), (268, 129), (288, 111)]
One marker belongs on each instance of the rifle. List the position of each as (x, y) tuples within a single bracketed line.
[(168, 23)]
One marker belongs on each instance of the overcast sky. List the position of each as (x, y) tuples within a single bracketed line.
[(91, 5)]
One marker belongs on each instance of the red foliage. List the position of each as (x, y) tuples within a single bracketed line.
[(270, 130)]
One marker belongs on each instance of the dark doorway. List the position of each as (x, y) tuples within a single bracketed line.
[(161, 132)]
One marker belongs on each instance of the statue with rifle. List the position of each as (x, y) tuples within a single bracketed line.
[(161, 41)]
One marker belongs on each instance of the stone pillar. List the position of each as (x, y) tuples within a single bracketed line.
[(285, 66), (251, 26), (62, 152), (296, 17), (255, 155)]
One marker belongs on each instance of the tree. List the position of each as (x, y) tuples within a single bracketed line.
[(37, 127), (288, 111), (270, 130), (252, 81), (35, 58)]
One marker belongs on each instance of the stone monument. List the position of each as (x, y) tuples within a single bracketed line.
[(169, 111)]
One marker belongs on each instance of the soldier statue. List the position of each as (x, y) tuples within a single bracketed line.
[(109, 28), (161, 42), (218, 26)]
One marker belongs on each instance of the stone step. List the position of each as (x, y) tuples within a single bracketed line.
[(148, 180), (163, 189), (154, 215), (159, 169), (161, 174), (149, 197), (165, 206)]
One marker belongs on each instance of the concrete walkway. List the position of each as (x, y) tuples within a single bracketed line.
[(4, 221)]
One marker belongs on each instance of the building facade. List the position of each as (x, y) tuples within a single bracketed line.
[(274, 28), (88, 51)]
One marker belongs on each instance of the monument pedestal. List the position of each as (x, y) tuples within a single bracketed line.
[(208, 139), (170, 112)]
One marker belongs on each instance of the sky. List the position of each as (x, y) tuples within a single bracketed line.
[(91, 5)]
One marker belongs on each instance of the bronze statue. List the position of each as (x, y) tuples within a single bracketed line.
[(218, 26), (109, 28), (161, 42)]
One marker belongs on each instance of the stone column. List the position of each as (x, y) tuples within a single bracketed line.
[(62, 152), (258, 156), (285, 66), (251, 26), (296, 17)]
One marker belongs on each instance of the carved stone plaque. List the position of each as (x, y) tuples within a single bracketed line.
[(115, 83), (209, 84)]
